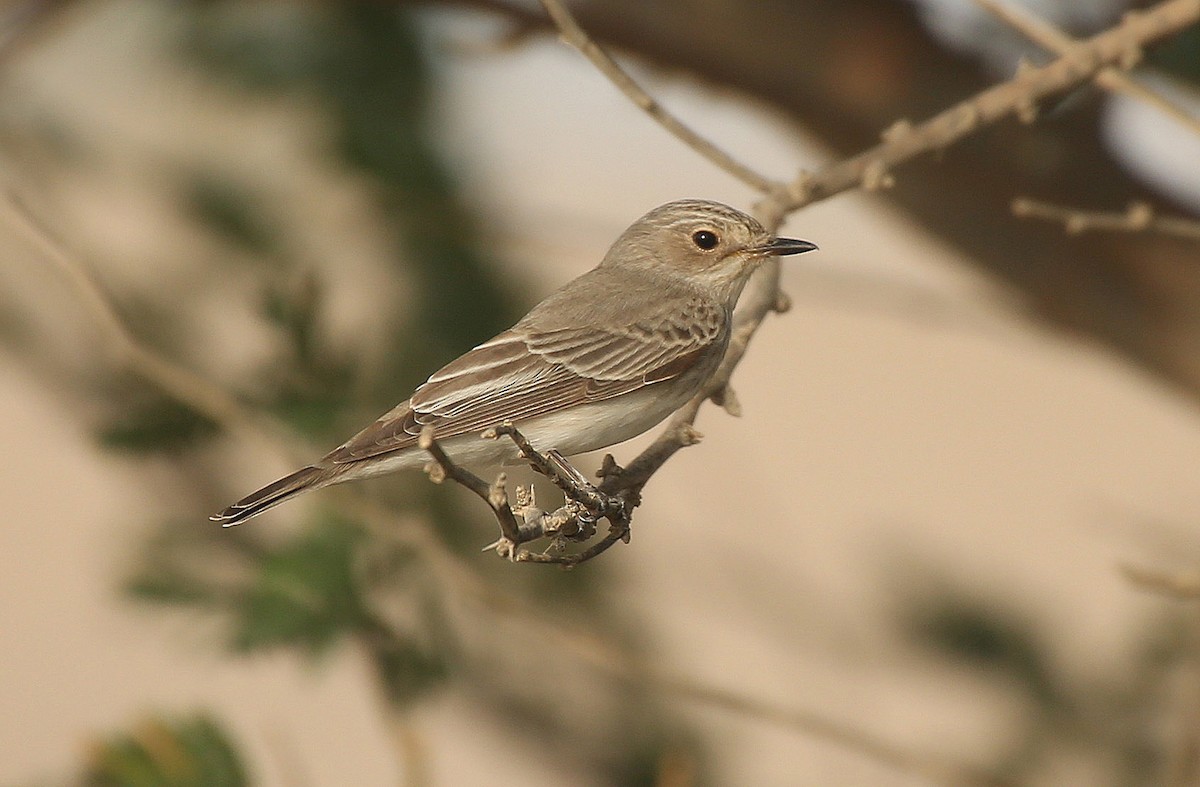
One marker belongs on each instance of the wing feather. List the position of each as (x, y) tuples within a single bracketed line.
[(524, 373)]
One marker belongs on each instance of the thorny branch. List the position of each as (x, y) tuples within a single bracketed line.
[(1138, 217)]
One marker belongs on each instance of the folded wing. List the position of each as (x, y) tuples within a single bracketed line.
[(525, 373)]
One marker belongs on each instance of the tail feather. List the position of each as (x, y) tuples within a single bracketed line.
[(272, 495)]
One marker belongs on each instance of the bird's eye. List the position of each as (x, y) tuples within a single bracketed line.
[(705, 239)]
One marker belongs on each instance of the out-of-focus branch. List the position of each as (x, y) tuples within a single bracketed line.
[(1181, 586), (1046, 35), (1118, 46), (1138, 217), (574, 35), (182, 384), (623, 666)]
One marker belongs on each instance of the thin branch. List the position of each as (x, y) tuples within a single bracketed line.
[(623, 666), (1138, 217), (935, 769), (1046, 35), (177, 381), (494, 494), (574, 35), (1118, 46)]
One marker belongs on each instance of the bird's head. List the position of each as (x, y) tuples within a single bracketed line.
[(713, 245)]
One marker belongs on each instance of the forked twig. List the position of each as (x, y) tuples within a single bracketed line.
[(575, 521), (494, 494)]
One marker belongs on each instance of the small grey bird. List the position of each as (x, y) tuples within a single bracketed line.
[(601, 360)]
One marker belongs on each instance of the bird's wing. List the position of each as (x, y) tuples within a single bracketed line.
[(525, 373)]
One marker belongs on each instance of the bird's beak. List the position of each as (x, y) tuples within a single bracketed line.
[(781, 247)]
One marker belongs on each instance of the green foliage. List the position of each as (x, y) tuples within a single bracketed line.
[(1180, 55), (151, 422), (988, 638), (307, 592), (192, 752), (304, 593), (231, 211), (407, 670), (310, 387)]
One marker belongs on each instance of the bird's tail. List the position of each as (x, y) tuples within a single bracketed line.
[(272, 495)]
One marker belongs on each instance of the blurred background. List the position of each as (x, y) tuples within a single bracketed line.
[(908, 562)]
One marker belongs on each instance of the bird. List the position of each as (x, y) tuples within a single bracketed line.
[(603, 359)]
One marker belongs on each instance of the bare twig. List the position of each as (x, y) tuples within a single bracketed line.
[(1138, 217), (555, 467), (1046, 35), (904, 141), (574, 35), (494, 494), (575, 521)]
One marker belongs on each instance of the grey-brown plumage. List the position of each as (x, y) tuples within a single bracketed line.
[(601, 360)]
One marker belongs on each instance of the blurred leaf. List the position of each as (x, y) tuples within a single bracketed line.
[(231, 211), (155, 423), (407, 670), (295, 310), (259, 46), (170, 588), (192, 752), (988, 638), (193, 563), (305, 592), (1180, 55)]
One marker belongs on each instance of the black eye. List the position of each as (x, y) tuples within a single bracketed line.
[(705, 239)]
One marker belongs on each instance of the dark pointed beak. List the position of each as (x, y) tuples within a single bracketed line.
[(781, 247)]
